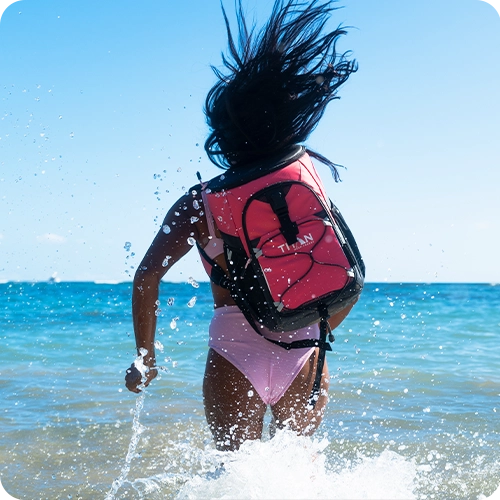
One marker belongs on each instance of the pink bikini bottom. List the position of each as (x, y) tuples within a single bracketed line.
[(269, 368)]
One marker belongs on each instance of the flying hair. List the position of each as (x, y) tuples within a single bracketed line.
[(276, 83)]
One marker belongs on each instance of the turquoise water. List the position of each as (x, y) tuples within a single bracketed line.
[(414, 400)]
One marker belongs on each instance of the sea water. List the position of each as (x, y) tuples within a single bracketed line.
[(414, 409)]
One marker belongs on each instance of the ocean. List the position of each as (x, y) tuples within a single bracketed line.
[(414, 409)]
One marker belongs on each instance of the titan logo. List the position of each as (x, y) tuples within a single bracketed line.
[(305, 241)]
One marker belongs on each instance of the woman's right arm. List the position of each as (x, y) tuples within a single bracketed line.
[(181, 226)]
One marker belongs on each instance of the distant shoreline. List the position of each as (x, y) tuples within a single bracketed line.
[(374, 283)]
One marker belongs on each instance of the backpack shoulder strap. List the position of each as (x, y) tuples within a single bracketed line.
[(216, 274)]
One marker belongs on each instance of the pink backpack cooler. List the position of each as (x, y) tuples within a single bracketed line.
[(291, 258)]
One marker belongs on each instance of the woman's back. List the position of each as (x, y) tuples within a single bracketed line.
[(277, 85)]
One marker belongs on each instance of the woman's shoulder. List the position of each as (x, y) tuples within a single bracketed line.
[(187, 199)]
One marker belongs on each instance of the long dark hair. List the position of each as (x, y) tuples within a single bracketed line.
[(279, 83)]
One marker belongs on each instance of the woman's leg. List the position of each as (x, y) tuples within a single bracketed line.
[(293, 411), (234, 410)]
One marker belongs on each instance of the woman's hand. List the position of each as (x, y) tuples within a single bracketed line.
[(134, 378)]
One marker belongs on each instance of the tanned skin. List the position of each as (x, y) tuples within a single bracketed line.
[(234, 410)]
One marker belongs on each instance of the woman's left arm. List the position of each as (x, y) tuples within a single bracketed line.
[(173, 241)]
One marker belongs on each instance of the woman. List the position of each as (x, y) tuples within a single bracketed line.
[(277, 87)]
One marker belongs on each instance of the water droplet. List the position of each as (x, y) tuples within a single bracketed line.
[(177, 214), (173, 323), (250, 394), (192, 302), (194, 219), (193, 283), (127, 246), (166, 229), (196, 205), (165, 261), (170, 301), (191, 241), (159, 345)]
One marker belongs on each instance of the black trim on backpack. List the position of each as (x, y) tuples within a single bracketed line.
[(349, 244), (238, 176)]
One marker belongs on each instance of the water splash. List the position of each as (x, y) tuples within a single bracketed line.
[(193, 282), (137, 430), (296, 467)]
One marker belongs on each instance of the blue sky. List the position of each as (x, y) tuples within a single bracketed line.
[(101, 129)]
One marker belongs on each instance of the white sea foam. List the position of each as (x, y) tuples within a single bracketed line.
[(296, 467)]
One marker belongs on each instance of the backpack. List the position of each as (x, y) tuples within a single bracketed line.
[(291, 258)]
